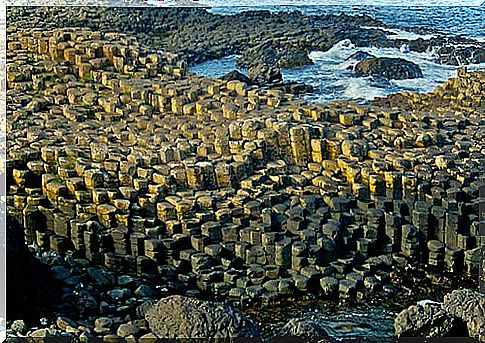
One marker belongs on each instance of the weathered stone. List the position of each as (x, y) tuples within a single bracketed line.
[(169, 318)]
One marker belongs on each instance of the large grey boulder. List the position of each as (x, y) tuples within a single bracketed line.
[(468, 305), (389, 68), (183, 317), (428, 321)]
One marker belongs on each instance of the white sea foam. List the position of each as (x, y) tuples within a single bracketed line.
[(332, 79), (346, 85), (423, 303)]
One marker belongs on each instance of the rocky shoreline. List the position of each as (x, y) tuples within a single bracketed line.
[(135, 180)]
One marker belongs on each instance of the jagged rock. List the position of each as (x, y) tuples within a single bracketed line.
[(263, 73), (183, 317), (235, 75), (128, 329), (390, 68), (427, 321), (468, 305), (303, 328), (101, 278), (40, 333), (144, 291), (103, 325)]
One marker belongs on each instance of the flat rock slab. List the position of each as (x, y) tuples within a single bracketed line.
[(184, 317)]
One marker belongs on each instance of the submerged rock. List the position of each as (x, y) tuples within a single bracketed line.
[(303, 328), (183, 317), (390, 68)]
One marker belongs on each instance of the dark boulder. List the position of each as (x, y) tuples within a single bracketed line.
[(235, 75), (478, 56), (184, 317), (265, 53), (280, 55), (262, 73), (390, 68)]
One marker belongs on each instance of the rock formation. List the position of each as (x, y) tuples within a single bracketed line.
[(182, 317), (390, 68), (460, 315), (145, 181)]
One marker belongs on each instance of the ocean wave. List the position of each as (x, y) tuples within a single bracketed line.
[(348, 86)]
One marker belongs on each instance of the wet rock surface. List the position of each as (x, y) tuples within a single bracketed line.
[(389, 68), (182, 317), (428, 321), (235, 75)]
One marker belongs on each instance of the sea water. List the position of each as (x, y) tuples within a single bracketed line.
[(330, 76)]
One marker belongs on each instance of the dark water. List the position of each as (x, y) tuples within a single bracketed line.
[(374, 323)]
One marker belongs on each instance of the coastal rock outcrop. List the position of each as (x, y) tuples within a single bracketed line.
[(427, 321), (460, 55), (468, 305), (460, 315), (183, 317), (390, 68)]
